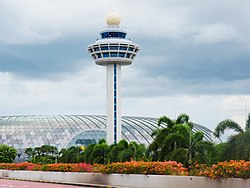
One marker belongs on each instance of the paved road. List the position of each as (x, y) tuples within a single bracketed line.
[(4, 183)]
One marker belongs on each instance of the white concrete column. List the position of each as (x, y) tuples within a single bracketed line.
[(113, 84)]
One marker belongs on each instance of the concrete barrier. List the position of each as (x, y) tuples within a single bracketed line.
[(125, 180)]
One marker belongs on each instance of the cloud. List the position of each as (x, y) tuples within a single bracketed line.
[(82, 92), (204, 109), (193, 53), (45, 60), (215, 34), (43, 21)]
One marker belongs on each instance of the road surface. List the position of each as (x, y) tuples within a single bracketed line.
[(4, 183)]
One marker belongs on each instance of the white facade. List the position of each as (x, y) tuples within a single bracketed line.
[(113, 102), (113, 50)]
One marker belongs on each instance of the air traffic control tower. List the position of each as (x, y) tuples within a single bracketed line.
[(113, 50)]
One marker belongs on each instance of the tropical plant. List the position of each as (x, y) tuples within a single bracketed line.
[(100, 153), (69, 155), (238, 145), (176, 141), (44, 154), (7, 154)]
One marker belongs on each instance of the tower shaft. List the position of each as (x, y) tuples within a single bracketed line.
[(113, 76)]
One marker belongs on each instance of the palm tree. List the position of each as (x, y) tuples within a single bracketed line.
[(238, 146), (161, 145), (99, 152), (176, 141), (190, 147)]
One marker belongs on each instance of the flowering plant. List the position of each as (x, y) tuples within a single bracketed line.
[(230, 169), (135, 167), (80, 167), (226, 169)]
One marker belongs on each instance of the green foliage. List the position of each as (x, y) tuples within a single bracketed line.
[(45, 154), (7, 154), (176, 141), (100, 153), (69, 155), (238, 145), (227, 124)]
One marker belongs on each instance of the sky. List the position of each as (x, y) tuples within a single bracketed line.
[(194, 58)]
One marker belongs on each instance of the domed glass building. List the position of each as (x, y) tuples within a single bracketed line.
[(64, 131)]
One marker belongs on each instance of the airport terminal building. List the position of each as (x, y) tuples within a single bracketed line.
[(64, 131)]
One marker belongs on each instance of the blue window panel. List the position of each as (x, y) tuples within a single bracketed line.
[(113, 47), (113, 54), (130, 49), (123, 48), (104, 48), (121, 54), (96, 49), (105, 35), (105, 54), (99, 55), (113, 35), (128, 55)]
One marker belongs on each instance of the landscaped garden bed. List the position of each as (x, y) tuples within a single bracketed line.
[(231, 169)]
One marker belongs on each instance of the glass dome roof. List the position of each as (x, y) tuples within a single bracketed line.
[(64, 131)]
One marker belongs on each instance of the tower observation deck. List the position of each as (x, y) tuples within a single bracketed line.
[(113, 50)]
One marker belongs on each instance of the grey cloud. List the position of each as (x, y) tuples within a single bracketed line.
[(60, 56)]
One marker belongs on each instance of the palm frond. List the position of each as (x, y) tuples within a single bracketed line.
[(166, 121), (182, 118), (227, 124)]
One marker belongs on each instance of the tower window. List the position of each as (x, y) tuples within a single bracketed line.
[(113, 35), (122, 48), (128, 55), (105, 54), (104, 48), (113, 47), (130, 49), (113, 54), (121, 54)]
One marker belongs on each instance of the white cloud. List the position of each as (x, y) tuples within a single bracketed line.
[(42, 21), (146, 92), (203, 109), (76, 93), (215, 33)]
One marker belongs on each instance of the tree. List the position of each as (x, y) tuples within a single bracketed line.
[(238, 145), (161, 146), (87, 153), (7, 154), (69, 155), (191, 147), (45, 154), (176, 141), (100, 153), (29, 152)]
